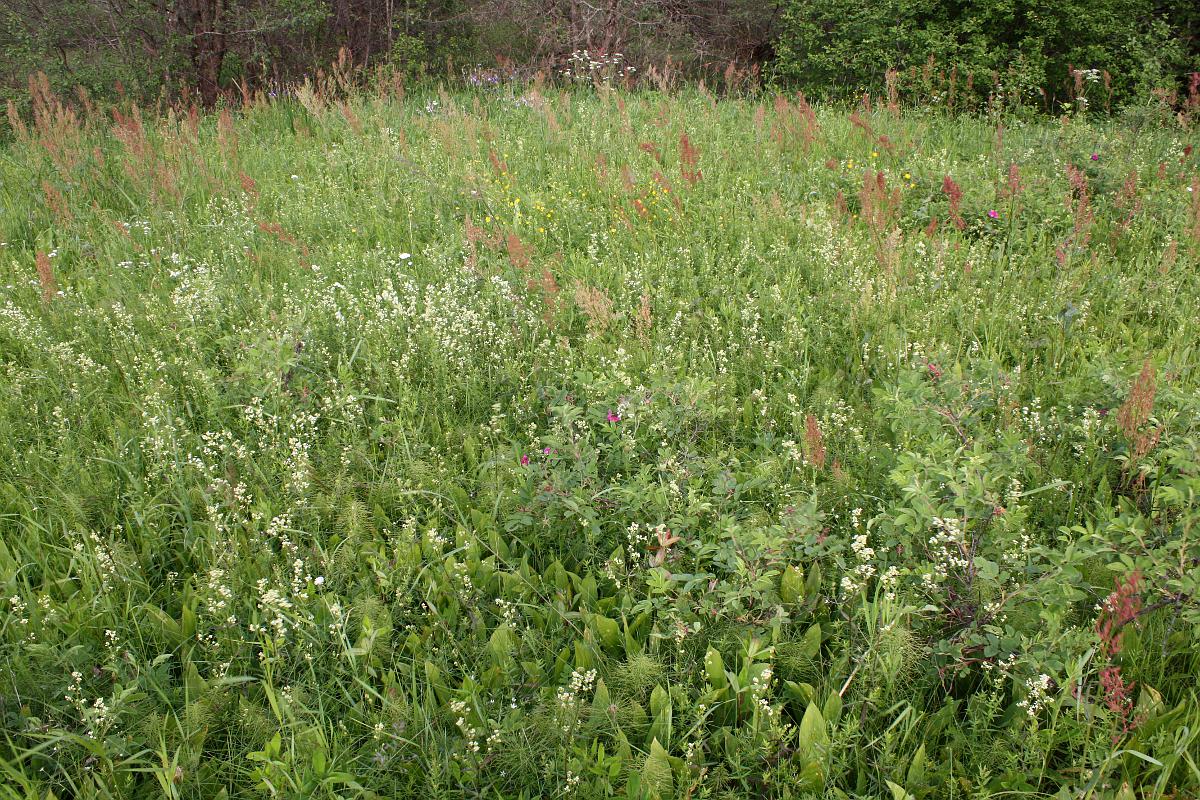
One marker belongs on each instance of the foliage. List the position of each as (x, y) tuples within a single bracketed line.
[(204, 49), (1018, 51), (525, 442)]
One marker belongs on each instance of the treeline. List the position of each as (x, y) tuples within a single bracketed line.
[(207, 47), (1035, 52)]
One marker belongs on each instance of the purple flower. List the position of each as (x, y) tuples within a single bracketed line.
[(993, 213), (545, 451), (524, 461), (1095, 156), (614, 416)]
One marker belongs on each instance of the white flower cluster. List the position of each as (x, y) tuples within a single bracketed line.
[(1090, 423), (274, 609), (101, 556), (470, 734), (864, 556), (580, 685), (760, 691), (948, 548), (18, 609), (1039, 695), (639, 538), (583, 67), (96, 717), (889, 580)]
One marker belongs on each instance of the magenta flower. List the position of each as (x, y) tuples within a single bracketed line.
[(545, 451), (524, 461), (993, 213), (1095, 156), (614, 416)]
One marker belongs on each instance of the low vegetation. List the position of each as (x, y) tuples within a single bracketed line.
[(536, 442)]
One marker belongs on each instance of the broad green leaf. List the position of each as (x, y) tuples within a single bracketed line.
[(714, 669), (814, 739), (791, 585), (657, 777)]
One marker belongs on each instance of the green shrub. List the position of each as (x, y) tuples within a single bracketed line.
[(1024, 50)]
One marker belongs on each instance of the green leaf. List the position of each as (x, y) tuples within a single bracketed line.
[(187, 625), (811, 777), (833, 707), (988, 570), (812, 584), (170, 629), (660, 699), (714, 669), (915, 778), (584, 659), (657, 778), (195, 685), (607, 631), (814, 739), (587, 592), (601, 700), (800, 693), (811, 646), (791, 585), (433, 676), (500, 645)]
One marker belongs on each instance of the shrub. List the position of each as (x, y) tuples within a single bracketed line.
[(1025, 50)]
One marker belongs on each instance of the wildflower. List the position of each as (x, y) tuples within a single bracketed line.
[(546, 451), (405, 256), (613, 416), (993, 213), (1039, 694), (524, 460), (1095, 156)]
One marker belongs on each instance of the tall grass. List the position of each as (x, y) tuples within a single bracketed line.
[(528, 442)]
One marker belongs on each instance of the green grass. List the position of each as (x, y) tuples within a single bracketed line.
[(490, 445)]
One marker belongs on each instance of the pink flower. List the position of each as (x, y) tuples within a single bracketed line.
[(614, 416), (524, 461), (1095, 156), (994, 214), (545, 451)]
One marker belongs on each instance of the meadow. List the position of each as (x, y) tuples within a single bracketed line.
[(529, 441)]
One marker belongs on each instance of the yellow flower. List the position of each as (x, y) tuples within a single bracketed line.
[(874, 155)]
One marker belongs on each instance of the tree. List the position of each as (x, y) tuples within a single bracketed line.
[(205, 21)]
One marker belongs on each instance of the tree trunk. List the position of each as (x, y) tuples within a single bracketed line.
[(208, 47)]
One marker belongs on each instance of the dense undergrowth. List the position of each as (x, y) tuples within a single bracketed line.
[(541, 443)]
